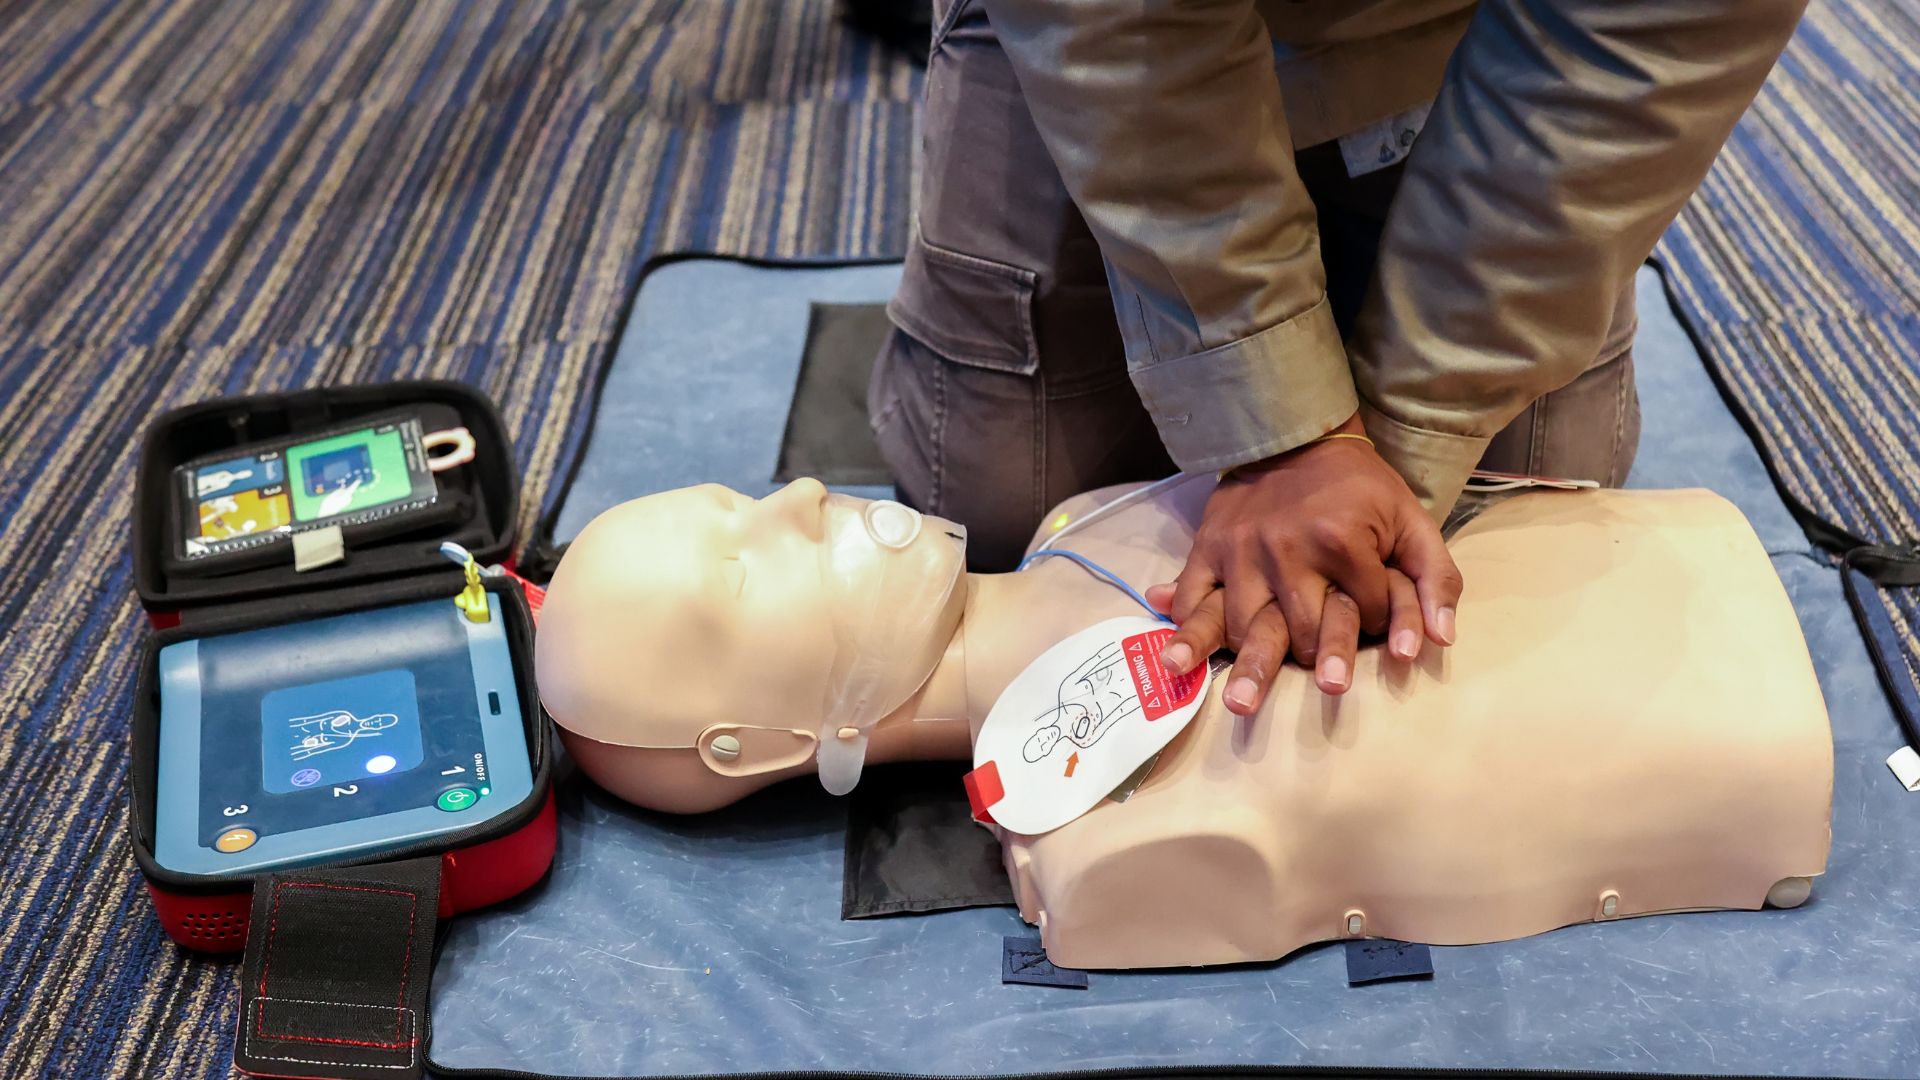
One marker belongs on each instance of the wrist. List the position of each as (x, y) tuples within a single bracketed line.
[(1352, 425), (1350, 430)]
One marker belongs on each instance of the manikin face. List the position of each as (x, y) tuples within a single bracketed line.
[(699, 606)]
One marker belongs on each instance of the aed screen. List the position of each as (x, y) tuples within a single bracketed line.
[(337, 731), (385, 718)]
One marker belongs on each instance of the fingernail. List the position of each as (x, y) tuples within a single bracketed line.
[(1406, 644), (1240, 692), (1443, 622), (1178, 657), (1333, 672)]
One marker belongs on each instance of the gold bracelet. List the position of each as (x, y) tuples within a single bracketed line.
[(1330, 436)]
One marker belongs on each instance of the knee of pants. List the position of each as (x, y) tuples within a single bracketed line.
[(1586, 430), (994, 450), (960, 444), (975, 426)]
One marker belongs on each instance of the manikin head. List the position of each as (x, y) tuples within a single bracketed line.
[(695, 643), (1042, 741)]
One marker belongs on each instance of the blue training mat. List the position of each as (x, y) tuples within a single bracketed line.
[(699, 388), (676, 946)]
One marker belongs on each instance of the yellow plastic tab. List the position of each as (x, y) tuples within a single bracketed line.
[(473, 599)]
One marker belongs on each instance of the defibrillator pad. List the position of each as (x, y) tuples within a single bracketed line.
[(1077, 723), (316, 740)]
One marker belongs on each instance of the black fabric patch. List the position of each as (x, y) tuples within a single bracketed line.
[(1024, 961), (913, 846), (1371, 960), (336, 973), (827, 434)]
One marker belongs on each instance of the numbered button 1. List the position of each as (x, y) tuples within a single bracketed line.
[(454, 800)]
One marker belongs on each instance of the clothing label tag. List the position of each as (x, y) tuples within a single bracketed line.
[(1905, 763), (316, 548), (1024, 960), (1371, 960), (1080, 719), (1488, 481), (1385, 143)]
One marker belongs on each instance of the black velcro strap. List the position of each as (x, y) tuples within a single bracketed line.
[(1887, 565), (336, 972)]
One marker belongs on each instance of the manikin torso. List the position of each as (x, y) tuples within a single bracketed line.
[(1629, 724)]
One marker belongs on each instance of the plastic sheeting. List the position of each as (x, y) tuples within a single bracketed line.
[(671, 946)]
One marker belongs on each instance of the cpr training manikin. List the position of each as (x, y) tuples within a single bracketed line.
[(1629, 723)]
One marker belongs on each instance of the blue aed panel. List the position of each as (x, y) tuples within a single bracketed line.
[(293, 744)]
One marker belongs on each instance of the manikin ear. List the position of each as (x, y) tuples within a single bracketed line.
[(746, 750)]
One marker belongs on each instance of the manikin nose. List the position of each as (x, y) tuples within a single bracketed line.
[(800, 503)]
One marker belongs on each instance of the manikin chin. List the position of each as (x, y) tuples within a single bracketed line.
[(1629, 724)]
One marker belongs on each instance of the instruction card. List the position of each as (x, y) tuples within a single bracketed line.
[(1077, 722)]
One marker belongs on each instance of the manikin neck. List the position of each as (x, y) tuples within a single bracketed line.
[(1008, 620)]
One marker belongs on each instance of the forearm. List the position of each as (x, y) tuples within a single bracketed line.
[(1165, 121), (1563, 142)]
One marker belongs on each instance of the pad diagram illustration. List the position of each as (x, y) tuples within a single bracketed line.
[(1092, 698), (328, 731)]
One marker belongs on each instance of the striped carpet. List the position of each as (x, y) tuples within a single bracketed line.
[(1798, 268), (210, 197), (217, 196)]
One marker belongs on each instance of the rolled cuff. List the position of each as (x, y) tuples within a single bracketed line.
[(1253, 398), (1436, 464)]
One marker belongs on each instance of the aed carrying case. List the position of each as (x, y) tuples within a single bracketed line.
[(339, 955)]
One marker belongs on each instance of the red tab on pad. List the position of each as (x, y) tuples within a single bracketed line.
[(1160, 693), (983, 790)]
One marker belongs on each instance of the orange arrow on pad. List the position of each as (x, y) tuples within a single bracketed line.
[(1072, 760)]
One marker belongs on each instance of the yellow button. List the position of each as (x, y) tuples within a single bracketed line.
[(234, 840)]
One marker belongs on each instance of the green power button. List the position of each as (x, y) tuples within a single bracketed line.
[(456, 799)]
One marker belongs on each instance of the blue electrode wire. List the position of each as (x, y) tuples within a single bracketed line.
[(1098, 571)]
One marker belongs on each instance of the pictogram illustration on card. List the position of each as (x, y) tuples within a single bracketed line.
[(1077, 722)]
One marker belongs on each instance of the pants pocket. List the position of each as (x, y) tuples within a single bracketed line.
[(970, 310)]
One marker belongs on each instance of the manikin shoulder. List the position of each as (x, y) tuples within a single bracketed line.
[(1126, 510)]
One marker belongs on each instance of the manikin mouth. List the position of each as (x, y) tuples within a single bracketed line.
[(892, 525)]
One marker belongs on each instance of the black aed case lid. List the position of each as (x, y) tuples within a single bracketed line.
[(486, 491)]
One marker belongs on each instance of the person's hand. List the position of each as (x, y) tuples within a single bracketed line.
[(1302, 553)]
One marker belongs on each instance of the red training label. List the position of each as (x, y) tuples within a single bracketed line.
[(1160, 693), (983, 790)]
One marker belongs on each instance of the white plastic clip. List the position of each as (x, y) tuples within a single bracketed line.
[(458, 442), (1905, 763)]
